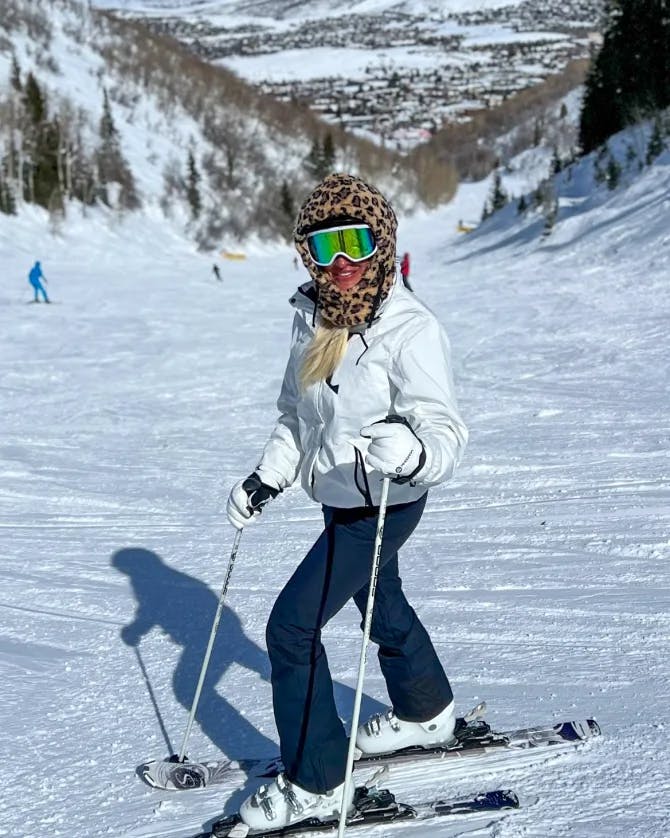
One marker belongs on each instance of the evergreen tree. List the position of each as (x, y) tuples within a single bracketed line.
[(612, 173), (556, 165), (41, 148), (631, 155), (313, 160), (47, 187), (288, 211), (286, 202), (15, 75), (656, 144), (108, 131), (83, 186), (7, 201), (321, 158), (192, 191), (498, 197), (600, 164), (111, 165), (34, 101), (630, 76), (328, 154)]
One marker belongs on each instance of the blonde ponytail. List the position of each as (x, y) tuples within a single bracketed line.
[(323, 354)]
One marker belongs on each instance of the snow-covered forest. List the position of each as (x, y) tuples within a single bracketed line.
[(97, 111)]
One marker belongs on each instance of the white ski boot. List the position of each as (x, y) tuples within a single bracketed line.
[(385, 732), (282, 802)]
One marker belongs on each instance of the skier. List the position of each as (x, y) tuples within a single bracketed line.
[(217, 273), (404, 271), (355, 330), (35, 276)]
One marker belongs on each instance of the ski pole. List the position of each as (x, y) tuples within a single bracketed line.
[(153, 698), (210, 646), (367, 627)]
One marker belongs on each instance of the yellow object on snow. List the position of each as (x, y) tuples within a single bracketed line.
[(231, 254)]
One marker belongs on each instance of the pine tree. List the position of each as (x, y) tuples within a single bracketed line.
[(192, 191), (313, 161), (107, 129), (34, 101), (321, 158), (328, 155), (41, 144), (498, 197), (15, 75), (286, 202), (630, 76), (556, 165), (599, 164), (47, 191), (288, 212), (612, 173), (111, 165), (656, 144), (7, 201)]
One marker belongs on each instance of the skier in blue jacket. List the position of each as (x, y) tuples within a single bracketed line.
[(35, 277)]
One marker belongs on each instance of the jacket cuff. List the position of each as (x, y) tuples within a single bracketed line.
[(270, 477)]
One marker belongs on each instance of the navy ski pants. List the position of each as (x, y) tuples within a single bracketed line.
[(312, 738)]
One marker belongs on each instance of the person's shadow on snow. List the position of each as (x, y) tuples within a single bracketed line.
[(184, 608)]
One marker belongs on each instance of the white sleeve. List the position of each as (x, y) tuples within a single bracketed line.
[(280, 463), (423, 393)]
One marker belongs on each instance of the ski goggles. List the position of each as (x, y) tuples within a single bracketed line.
[(356, 242)]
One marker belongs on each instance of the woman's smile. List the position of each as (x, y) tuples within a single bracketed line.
[(345, 274)]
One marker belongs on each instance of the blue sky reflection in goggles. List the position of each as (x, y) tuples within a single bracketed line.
[(355, 242)]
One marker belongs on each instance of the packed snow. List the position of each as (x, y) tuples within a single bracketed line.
[(130, 406)]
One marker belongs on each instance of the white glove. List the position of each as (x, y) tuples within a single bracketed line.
[(394, 449), (247, 499)]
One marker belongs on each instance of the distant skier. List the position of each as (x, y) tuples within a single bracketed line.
[(217, 272), (404, 271), (35, 278)]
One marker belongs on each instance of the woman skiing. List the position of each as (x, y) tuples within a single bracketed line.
[(367, 393)]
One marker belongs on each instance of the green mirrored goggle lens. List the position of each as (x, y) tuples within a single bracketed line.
[(356, 243)]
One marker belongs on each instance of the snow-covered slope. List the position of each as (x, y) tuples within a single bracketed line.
[(166, 105), (130, 406)]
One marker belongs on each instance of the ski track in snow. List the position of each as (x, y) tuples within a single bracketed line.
[(541, 570)]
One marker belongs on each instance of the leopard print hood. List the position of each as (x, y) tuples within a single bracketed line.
[(347, 197)]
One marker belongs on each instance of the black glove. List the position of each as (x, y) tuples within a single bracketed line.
[(247, 499)]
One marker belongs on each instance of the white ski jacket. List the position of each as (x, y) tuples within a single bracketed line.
[(399, 365)]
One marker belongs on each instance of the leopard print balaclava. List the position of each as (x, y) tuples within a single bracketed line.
[(338, 197)]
